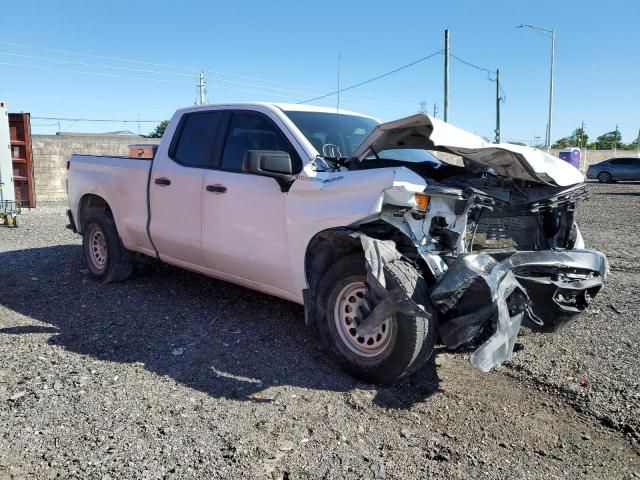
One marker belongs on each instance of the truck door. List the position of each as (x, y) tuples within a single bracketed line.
[(244, 216), (175, 189)]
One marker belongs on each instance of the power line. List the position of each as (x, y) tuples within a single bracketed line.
[(117, 59), (374, 78), (290, 96), (488, 72), (491, 74), (193, 75), (99, 74), (93, 120), (84, 64)]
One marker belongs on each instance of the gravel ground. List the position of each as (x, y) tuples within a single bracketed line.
[(175, 375)]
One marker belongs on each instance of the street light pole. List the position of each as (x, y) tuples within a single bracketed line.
[(553, 58), (551, 32)]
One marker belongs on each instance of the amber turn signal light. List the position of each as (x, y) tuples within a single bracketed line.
[(422, 202)]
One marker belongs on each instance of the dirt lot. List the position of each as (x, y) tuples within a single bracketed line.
[(174, 375)]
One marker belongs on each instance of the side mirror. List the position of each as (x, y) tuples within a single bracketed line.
[(270, 163)]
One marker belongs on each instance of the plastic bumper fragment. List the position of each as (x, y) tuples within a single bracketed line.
[(478, 289)]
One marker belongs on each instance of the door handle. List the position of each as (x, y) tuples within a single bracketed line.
[(162, 181), (217, 188)]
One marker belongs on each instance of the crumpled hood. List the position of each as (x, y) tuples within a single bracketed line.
[(514, 161)]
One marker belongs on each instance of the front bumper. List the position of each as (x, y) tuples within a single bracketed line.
[(592, 173), (560, 284), (485, 296)]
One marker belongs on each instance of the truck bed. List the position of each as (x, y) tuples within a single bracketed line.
[(122, 183)]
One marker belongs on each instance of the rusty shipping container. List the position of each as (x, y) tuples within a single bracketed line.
[(21, 157)]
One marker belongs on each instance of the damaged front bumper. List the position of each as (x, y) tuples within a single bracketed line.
[(485, 296), (560, 284)]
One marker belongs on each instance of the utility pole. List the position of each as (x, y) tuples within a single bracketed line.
[(583, 149), (435, 110), (498, 106), (552, 33), (423, 107), (202, 90), (553, 59), (446, 75), (615, 140)]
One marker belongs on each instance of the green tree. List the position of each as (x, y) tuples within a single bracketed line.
[(159, 130), (578, 138), (633, 145), (609, 141), (563, 142)]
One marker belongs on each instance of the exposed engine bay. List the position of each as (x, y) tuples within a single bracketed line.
[(497, 251)]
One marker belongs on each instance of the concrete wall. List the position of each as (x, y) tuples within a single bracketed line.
[(51, 152)]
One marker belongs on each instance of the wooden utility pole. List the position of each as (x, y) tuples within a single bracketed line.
[(446, 75), (498, 106)]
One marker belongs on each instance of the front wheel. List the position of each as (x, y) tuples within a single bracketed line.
[(399, 347), (106, 257), (604, 177)]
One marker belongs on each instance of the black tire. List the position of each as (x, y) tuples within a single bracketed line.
[(410, 339), (117, 264), (604, 177)]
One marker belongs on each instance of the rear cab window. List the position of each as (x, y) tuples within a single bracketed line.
[(195, 139)]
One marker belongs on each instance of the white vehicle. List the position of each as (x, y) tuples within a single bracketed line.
[(388, 248)]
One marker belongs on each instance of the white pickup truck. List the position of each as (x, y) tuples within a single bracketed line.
[(389, 248)]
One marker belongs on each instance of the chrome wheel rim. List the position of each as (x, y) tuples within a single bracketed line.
[(98, 249), (345, 315)]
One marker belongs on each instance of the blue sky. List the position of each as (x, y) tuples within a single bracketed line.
[(288, 51)]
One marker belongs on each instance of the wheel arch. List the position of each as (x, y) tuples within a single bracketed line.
[(88, 202), (328, 246)]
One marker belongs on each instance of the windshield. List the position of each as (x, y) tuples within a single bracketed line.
[(344, 131), (413, 155)]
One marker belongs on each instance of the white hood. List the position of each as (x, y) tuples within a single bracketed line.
[(423, 132)]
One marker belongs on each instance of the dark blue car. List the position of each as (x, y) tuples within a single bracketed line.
[(615, 169)]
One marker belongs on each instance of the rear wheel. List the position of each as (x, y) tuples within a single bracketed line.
[(604, 177), (106, 257), (399, 347)]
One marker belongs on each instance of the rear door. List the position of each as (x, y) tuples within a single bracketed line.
[(176, 186), (623, 169), (244, 216), (634, 168)]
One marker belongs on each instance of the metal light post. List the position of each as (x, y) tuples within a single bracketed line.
[(551, 32)]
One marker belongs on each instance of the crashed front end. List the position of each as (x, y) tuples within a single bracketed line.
[(498, 254), (500, 244)]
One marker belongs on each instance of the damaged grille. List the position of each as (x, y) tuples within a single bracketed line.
[(520, 233)]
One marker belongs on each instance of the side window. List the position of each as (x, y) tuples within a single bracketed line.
[(196, 138), (253, 131), (615, 161)]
